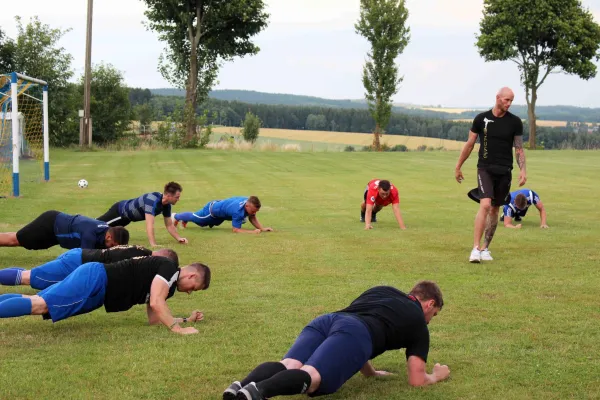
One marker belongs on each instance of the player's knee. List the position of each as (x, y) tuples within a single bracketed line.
[(315, 378), (38, 305), (290, 363), (485, 205)]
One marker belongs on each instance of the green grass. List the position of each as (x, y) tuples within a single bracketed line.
[(525, 326)]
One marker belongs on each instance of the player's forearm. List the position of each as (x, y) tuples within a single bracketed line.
[(255, 223), (464, 154), (398, 215), (543, 217), (173, 232), (240, 230), (520, 156), (162, 313), (150, 232), (368, 215)]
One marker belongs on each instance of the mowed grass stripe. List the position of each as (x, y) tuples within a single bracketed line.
[(523, 327)]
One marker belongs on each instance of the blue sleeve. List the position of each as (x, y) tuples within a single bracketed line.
[(536, 198), (237, 220), (166, 211), (508, 212)]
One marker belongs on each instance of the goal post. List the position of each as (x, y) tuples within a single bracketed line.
[(24, 133)]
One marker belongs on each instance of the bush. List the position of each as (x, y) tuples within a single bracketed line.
[(399, 147), (349, 148), (251, 127), (422, 147)]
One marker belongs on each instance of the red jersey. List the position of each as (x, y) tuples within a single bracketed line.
[(374, 198)]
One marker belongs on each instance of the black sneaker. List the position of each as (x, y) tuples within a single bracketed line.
[(374, 218), (517, 218), (362, 217), (249, 392), (231, 392)]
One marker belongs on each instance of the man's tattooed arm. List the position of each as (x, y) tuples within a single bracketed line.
[(519, 152)]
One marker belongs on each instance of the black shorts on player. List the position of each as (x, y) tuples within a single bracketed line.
[(495, 185)]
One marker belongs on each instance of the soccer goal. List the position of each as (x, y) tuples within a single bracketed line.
[(24, 141)]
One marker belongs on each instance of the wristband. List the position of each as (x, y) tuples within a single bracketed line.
[(184, 320)]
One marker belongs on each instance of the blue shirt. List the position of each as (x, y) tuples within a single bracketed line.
[(73, 231), (511, 210), (148, 203), (231, 209)]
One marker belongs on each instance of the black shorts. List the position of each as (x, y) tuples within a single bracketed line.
[(39, 233), (113, 218), (495, 186)]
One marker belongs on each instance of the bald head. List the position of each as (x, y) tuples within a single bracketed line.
[(504, 100), (506, 92)]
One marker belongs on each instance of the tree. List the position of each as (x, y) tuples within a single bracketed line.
[(541, 37), (7, 54), (144, 114), (251, 128), (316, 122), (38, 55), (199, 36), (383, 24), (109, 103)]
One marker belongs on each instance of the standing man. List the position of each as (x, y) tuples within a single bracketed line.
[(378, 194), (57, 270), (334, 347), (498, 131), (118, 286), (53, 228), (147, 207), (520, 201), (234, 209)]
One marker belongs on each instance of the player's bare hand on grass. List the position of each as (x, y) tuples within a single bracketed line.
[(190, 330), (367, 227), (544, 226), (518, 226), (441, 372), (196, 316), (382, 373), (183, 240), (267, 229), (458, 175), (257, 231)]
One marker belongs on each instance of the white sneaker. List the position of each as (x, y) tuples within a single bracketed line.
[(475, 256), (486, 255)]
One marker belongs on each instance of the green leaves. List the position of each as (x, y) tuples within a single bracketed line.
[(383, 24), (541, 36)]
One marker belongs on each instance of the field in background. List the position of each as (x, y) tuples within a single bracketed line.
[(525, 326), (447, 110), (546, 123), (347, 138)]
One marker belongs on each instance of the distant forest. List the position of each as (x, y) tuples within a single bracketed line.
[(326, 116), (553, 113)]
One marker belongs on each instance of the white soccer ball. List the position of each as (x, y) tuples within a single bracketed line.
[(82, 183)]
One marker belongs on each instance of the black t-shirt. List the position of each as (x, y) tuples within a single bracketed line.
[(114, 254), (129, 281), (394, 320), (496, 139)]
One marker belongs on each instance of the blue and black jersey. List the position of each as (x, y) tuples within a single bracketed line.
[(148, 203)]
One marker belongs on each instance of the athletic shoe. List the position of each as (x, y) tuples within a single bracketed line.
[(231, 392), (374, 217), (517, 218), (475, 256), (175, 222), (249, 392), (362, 216), (486, 255)]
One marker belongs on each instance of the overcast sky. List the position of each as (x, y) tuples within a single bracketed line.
[(310, 48)]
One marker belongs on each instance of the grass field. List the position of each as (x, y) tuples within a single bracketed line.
[(346, 138), (525, 326)]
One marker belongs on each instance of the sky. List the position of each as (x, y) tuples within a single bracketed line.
[(310, 48)]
